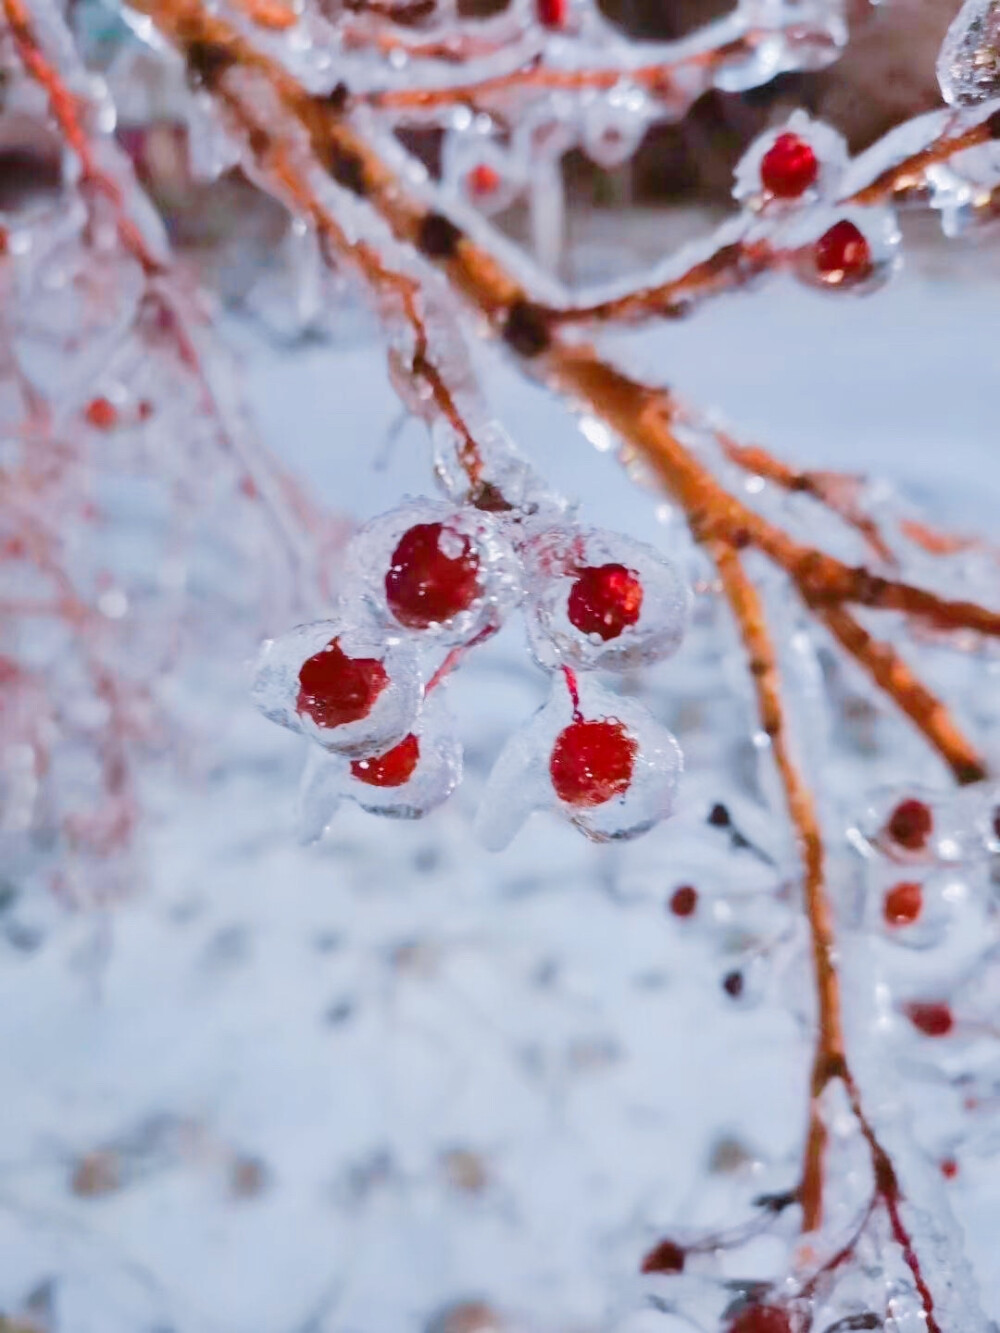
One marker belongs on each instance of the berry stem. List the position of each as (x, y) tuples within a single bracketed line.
[(574, 692)]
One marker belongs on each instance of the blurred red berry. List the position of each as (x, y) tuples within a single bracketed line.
[(911, 824), (903, 904), (842, 255), (788, 167)]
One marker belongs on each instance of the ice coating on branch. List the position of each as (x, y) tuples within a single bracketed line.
[(428, 569), (641, 791), (342, 713), (598, 600), (968, 67), (407, 781)]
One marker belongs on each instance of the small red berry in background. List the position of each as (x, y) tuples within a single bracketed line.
[(335, 689), (789, 167), (932, 1018), (101, 414), (391, 769), (761, 1319), (592, 762), (842, 255), (910, 825), (482, 180), (604, 600), (428, 582), (732, 984), (949, 1168), (903, 904), (552, 13), (684, 900), (666, 1257)]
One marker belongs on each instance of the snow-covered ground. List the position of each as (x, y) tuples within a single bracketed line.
[(338, 1089)]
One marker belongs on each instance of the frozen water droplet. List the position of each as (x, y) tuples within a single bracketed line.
[(394, 561), (968, 67), (599, 600), (360, 715), (407, 781), (523, 779), (613, 126)]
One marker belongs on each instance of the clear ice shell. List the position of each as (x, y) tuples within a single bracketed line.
[(831, 154), (553, 557), (327, 779), (520, 782), (369, 557), (275, 688), (968, 67), (612, 126)]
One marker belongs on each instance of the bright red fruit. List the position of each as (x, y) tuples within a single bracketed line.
[(335, 689), (427, 583), (933, 1019), (552, 13), (666, 1257), (101, 414), (903, 903), (592, 762), (604, 600), (482, 180), (911, 824), (391, 769), (842, 255), (788, 167), (684, 900), (761, 1319)]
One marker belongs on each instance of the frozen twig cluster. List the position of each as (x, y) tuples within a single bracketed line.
[(310, 100)]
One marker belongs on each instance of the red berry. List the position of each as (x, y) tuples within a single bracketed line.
[(761, 1319), (101, 414), (665, 1257), (732, 984), (842, 255), (552, 13), (604, 600), (788, 167), (933, 1019), (482, 180), (429, 582), (903, 903), (592, 762), (335, 689), (949, 1168), (391, 769), (684, 900), (910, 824)]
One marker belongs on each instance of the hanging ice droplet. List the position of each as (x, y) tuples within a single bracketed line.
[(968, 67)]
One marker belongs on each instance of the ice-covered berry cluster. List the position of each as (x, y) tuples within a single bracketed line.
[(423, 585)]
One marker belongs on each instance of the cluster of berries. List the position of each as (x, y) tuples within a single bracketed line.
[(793, 179), (425, 583)]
